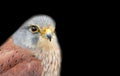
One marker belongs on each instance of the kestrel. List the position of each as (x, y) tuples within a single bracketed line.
[(33, 50)]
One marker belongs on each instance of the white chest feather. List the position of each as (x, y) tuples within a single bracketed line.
[(50, 55)]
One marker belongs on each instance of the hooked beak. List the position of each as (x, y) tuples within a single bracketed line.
[(47, 33), (49, 36)]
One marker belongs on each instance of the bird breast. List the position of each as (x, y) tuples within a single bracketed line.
[(49, 53)]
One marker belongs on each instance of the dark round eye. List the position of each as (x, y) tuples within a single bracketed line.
[(34, 29)]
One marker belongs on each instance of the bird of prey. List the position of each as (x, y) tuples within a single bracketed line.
[(33, 50)]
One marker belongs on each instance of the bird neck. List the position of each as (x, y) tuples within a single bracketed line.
[(50, 55)]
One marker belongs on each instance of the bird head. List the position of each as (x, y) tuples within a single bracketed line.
[(35, 28), (45, 32)]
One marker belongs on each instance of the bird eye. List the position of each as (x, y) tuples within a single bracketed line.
[(34, 29)]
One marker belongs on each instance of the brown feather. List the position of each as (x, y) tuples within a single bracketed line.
[(16, 61)]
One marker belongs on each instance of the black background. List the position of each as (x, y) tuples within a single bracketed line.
[(82, 29), (66, 29), (72, 28)]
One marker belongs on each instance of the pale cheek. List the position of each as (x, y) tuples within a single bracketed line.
[(35, 40)]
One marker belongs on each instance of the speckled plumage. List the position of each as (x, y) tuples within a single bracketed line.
[(33, 50)]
